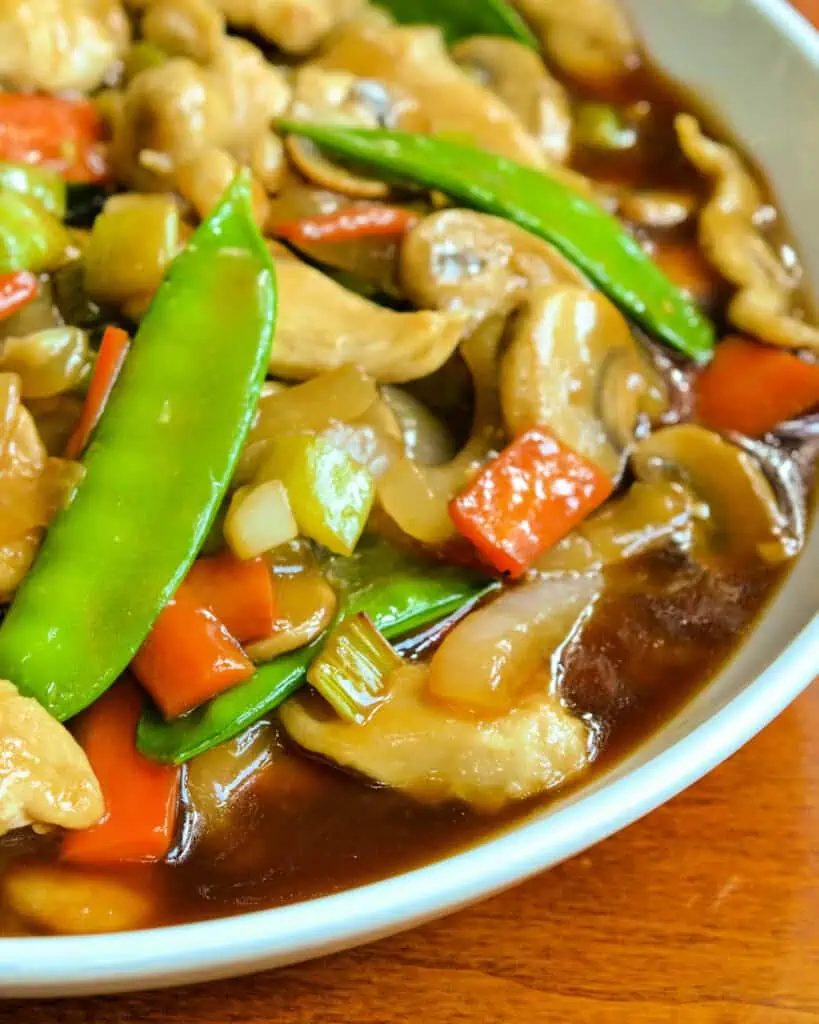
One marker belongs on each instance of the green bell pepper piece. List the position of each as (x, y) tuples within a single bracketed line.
[(329, 492), (397, 594), (588, 236), (459, 19), (156, 469), (39, 182), (30, 237)]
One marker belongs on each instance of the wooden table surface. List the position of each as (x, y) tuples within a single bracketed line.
[(706, 912)]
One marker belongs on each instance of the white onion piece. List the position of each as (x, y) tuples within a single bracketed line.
[(259, 518), (488, 658)]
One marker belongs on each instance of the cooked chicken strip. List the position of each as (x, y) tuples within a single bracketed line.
[(57, 45), (45, 778), (737, 249)]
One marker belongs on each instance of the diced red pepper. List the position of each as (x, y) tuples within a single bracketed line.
[(527, 499), (16, 290), (189, 656), (112, 353), (141, 797), (64, 135), (349, 224), (238, 592)]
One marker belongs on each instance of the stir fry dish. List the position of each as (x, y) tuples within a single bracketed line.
[(404, 407)]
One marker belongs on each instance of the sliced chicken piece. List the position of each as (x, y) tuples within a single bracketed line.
[(415, 743), (322, 326), (45, 778), (296, 26), (736, 248), (591, 40), (58, 45)]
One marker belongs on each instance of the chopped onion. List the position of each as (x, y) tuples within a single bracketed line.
[(258, 519), (47, 362), (489, 657)]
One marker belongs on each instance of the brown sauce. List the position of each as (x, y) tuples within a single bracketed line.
[(664, 627)]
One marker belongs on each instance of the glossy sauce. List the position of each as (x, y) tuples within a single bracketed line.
[(664, 627)]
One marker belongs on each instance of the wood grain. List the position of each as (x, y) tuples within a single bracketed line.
[(706, 912)]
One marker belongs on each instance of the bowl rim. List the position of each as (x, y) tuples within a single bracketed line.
[(222, 947)]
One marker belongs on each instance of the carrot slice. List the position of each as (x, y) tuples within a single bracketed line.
[(112, 353), (373, 221), (189, 656), (525, 500), (750, 387), (237, 591), (16, 290), (64, 135), (141, 797)]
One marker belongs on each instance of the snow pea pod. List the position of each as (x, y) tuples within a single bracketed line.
[(156, 469), (398, 595), (586, 234), (459, 19)]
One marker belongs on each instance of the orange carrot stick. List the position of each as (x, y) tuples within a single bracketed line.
[(189, 656), (112, 353), (354, 222), (526, 499), (751, 387), (238, 592), (64, 135), (141, 797), (16, 290)]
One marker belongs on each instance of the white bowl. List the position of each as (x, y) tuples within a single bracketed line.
[(757, 63)]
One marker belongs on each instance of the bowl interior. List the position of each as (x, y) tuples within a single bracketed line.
[(757, 63)]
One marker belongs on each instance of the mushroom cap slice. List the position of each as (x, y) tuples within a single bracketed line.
[(322, 326), (416, 59), (340, 97), (515, 73), (573, 365), (741, 515), (473, 262)]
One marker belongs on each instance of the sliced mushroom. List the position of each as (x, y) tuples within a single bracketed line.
[(573, 365), (648, 516), (413, 743), (305, 605), (763, 304), (322, 326), (740, 515), (591, 40), (517, 74), (416, 59), (339, 97), (459, 260)]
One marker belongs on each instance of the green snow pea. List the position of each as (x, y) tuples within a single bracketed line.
[(588, 236), (459, 19), (45, 185), (398, 594), (157, 468)]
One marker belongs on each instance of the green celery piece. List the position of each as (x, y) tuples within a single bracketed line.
[(156, 470), (30, 237), (44, 185), (588, 236), (459, 19), (398, 594)]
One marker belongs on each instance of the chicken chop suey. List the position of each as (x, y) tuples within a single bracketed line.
[(404, 407)]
